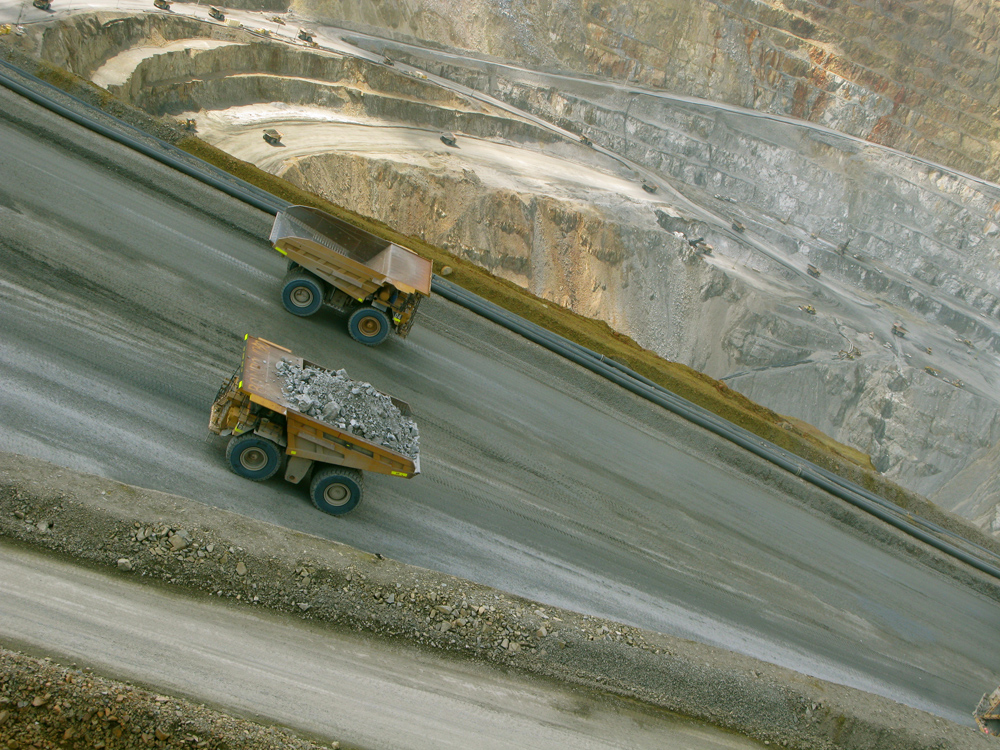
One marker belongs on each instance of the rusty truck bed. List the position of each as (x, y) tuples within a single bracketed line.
[(362, 261)]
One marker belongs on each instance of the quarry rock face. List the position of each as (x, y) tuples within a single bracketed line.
[(821, 240), (918, 76), (918, 429), (975, 490)]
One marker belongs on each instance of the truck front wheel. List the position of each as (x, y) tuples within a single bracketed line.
[(369, 325), (301, 292), (253, 457), (337, 490)]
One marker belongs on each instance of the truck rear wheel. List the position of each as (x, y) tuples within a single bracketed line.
[(253, 457), (301, 292), (337, 490), (369, 325)]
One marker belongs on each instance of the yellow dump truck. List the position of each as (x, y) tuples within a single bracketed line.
[(268, 432), (377, 283), (987, 714)]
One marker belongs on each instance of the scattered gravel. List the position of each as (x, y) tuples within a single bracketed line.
[(205, 550), (351, 405)]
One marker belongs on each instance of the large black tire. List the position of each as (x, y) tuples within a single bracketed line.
[(301, 292), (336, 489), (369, 325), (253, 457)]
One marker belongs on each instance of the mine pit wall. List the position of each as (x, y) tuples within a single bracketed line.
[(186, 81), (643, 281), (920, 76), (279, 61), (974, 491), (82, 43), (943, 230), (893, 415), (784, 178)]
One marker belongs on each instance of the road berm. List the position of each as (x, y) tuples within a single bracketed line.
[(207, 551)]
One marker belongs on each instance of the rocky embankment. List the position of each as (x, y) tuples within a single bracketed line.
[(205, 551)]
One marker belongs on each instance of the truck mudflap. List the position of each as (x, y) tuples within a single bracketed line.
[(218, 419)]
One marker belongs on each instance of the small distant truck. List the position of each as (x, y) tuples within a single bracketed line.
[(376, 283), (266, 431)]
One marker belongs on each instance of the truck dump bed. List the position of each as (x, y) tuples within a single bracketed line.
[(308, 438), (987, 714), (351, 258)]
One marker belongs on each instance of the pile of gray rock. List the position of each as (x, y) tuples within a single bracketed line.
[(349, 405)]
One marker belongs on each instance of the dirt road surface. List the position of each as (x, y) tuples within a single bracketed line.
[(319, 682)]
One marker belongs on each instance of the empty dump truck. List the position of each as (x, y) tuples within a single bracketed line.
[(267, 430), (377, 283)]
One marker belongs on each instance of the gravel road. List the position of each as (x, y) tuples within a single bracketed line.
[(125, 291), (321, 682)]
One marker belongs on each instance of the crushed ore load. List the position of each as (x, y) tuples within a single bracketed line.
[(356, 407)]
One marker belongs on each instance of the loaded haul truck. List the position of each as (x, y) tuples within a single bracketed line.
[(275, 422)]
